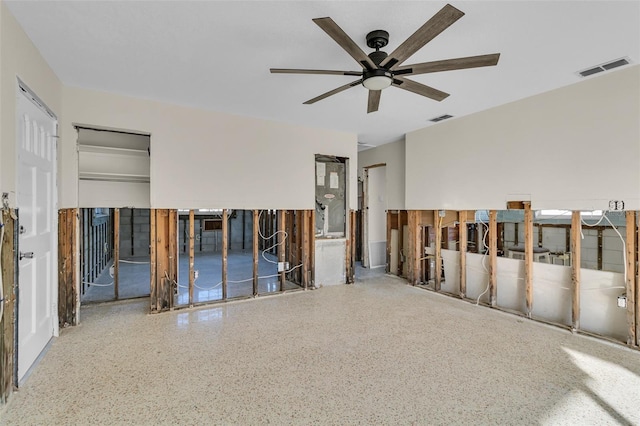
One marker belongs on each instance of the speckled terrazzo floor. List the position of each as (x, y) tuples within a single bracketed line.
[(376, 352)]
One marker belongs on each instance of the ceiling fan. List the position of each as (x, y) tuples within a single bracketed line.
[(380, 70)]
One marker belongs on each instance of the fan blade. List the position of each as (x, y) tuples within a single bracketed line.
[(340, 37), (299, 71), (374, 100), (419, 88), (333, 92), (427, 32), (449, 64)]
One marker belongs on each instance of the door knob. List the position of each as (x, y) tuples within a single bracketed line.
[(28, 255)]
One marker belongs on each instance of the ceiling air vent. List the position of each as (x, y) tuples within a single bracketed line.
[(615, 64), (604, 67), (442, 117)]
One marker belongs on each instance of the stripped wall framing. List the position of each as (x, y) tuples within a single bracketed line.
[(297, 249), (421, 223)]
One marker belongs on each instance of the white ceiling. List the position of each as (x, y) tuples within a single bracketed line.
[(216, 55)]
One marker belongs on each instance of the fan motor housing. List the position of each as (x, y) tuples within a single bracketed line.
[(377, 56)]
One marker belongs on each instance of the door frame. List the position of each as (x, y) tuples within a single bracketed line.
[(365, 213), (24, 92)]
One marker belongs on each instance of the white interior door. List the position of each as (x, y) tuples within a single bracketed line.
[(36, 198), (376, 212)]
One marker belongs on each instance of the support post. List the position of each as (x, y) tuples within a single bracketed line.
[(528, 256), (462, 237), (493, 258), (631, 277), (437, 274), (256, 240), (192, 277), (575, 243), (225, 251), (116, 252)]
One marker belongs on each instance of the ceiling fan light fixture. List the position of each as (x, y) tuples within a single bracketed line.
[(377, 79), (377, 83)]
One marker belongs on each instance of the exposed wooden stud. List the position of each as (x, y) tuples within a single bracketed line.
[(528, 257), (172, 241), (116, 252), (153, 278), (256, 240), (299, 250), (539, 235), (131, 222), (282, 247), (312, 247), (352, 237), (387, 266), (600, 239), (437, 220), (291, 238), (493, 258), (401, 222), (462, 232), (225, 251), (575, 248), (192, 272), (637, 257), (67, 267), (414, 255), (306, 229), (7, 337), (631, 277), (425, 266)]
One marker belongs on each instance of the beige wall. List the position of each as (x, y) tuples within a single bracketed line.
[(19, 58), (207, 159), (393, 155), (573, 148)]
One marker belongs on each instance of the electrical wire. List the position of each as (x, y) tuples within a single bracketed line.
[(1, 283), (484, 258)]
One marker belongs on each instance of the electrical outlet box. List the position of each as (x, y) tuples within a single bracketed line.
[(622, 301), (283, 266), (195, 274), (616, 205), (442, 213)]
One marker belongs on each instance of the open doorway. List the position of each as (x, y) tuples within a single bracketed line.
[(374, 236)]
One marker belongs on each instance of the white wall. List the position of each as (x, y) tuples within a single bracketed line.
[(573, 148), (393, 155), (207, 159), (19, 58)]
